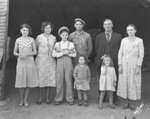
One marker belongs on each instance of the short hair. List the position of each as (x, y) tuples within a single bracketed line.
[(28, 27), (46, 23), (85, 58), (107, 56), (108, 20)]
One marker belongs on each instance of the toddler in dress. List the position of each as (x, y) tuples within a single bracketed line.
[(82, 78), (107, 81)]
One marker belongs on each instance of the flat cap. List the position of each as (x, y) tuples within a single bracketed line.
[(62, 29), (79, 19)]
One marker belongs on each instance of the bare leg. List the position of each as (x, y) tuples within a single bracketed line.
[(21, 92), (47, 95), (111, 99), (79, 95), (26, 104), (102, 94), (40, 91)]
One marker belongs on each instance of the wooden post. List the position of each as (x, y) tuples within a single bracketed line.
[(4, 10)]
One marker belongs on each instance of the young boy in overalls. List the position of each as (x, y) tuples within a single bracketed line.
[(64, 50)]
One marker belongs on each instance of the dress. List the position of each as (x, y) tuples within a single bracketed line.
[(107, 79), (130, 55), (26, 72), (82, 74), (46, 64)]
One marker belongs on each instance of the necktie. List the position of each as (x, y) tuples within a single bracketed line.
[(107, 36)]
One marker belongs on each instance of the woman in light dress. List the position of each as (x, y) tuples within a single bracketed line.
[(46, 64), (26, 73), (130, 58)]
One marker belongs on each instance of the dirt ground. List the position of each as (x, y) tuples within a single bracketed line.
[(11, 110)]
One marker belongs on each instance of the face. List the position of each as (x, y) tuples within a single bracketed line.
[(78, 25), (24, 31), (108, 25), (48, 29), (81, 60), (107, 61), (64, 35), (131, 31)]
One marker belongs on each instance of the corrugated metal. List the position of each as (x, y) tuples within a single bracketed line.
[(3, 40)]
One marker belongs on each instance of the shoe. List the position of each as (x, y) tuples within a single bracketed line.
[(126, 106), (70, 103), (112, 106), (85, 103), (48, 102), (132, 107), (21, 103), (57, 103), (26, 104), (100, 106), (39, 102), (80, 103)]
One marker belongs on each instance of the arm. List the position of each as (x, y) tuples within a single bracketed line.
[(103, 70), (96, 43), (89, 74), (16, 47), (90, 46), (72, 51), (141, 53), (75, 73), (56, 51)]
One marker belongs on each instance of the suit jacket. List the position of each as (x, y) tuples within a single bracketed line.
[(100, 45)]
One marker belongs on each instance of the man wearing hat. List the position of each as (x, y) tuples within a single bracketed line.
[(63, 51), (81, 40)]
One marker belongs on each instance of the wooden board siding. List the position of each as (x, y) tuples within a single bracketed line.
[(3, 41)]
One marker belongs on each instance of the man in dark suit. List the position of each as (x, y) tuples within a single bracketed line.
[(107, 42)]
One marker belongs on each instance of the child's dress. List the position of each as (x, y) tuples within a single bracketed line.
[(107, 78), (26, 72), (83, 75)]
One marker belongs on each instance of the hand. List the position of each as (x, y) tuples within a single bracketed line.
[(137, 70), (114, 83), (65, 52), (120, 70), (78, 81), (22, 56)]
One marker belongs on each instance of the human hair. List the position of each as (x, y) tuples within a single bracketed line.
[(108, 20), (84, 58), (28, 27), (132, 25), (46, 23), (111, 62)]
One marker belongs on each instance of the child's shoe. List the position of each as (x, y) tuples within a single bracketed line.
[(112, 106), (80, 103), (85, 103), (100, 106)]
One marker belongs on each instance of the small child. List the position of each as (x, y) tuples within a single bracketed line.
[(107, 81), (82, 78)]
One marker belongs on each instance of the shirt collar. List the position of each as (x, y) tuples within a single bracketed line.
[(80, 33), (108, 32)]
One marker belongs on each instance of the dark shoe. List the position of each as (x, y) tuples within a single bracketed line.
[(85, 103), (48, 102), (126, 106), (132, 107), (21, 103), (39, 102), (80, 103), (70, 103), (57, 103), (112, 106)]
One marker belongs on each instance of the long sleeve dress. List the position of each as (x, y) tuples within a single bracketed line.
[(130, 55)]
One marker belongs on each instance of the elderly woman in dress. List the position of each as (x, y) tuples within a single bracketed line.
[(130, 58)]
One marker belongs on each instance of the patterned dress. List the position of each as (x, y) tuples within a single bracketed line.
[(26, 72), (83, 75), (45, 63), (130, 55)]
